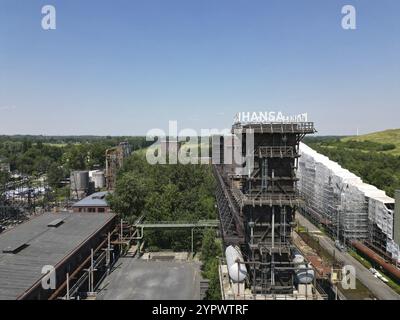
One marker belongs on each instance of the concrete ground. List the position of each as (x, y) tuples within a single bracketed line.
[(137, 279), (376, 286)]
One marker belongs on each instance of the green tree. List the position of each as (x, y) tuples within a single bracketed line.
[(55, 174), (214, 289), (209, 248), (129, 197), (210, 252)]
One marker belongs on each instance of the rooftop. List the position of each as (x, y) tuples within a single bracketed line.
[(152, 280), (44, 240), (97, 199)]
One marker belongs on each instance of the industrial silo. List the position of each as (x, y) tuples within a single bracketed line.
[(79, 183), (99, 179)]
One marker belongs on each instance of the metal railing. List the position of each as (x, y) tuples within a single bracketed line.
[(276, 152), (277, 127), (178, 224), (266, 199)]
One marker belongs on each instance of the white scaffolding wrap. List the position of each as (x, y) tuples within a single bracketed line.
[(342, 201)]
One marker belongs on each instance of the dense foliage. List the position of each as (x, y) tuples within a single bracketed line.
[(165, 193), (363, 158), (210, 251)]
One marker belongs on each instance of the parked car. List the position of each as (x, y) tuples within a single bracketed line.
[(340, 246), (373, 271)]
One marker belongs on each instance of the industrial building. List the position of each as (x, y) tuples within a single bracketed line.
[(257, 209), (96, 202), (348, 208), (77, 245)]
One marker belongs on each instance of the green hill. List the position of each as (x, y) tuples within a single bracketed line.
[(387, 137)]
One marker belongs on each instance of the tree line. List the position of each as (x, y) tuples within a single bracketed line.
[(57, 156)]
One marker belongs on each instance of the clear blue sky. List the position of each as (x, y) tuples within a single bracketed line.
[(124, 67)]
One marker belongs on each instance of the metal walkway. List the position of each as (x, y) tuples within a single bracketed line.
[(180, 224)]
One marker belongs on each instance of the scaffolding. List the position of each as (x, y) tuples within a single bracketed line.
[(343, 204)]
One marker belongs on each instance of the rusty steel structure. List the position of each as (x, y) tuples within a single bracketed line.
[(257, 209), (114, 161)]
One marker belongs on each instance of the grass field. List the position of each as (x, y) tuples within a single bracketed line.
[(391, 136)]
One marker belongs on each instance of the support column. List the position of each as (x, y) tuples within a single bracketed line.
[(192, 242)]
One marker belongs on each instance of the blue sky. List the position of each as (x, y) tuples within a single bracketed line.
[(123, 67)]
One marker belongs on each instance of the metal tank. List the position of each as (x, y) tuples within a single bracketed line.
[(236, 268), (304, 274), (297, 257), (79, 180), (99, 179)]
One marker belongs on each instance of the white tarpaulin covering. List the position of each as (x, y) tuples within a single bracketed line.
[(335, 194)]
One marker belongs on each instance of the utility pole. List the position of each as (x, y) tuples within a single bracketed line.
[(67, 286)]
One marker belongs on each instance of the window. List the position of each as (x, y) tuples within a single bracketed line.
[(101, 210)]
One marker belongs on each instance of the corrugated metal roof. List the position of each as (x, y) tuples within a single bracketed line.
[(97, 199), (45, 246)]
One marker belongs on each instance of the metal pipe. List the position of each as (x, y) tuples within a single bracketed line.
[(387, 266), (91, 271)]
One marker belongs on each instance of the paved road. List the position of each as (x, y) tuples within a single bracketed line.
[(376, 286)]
